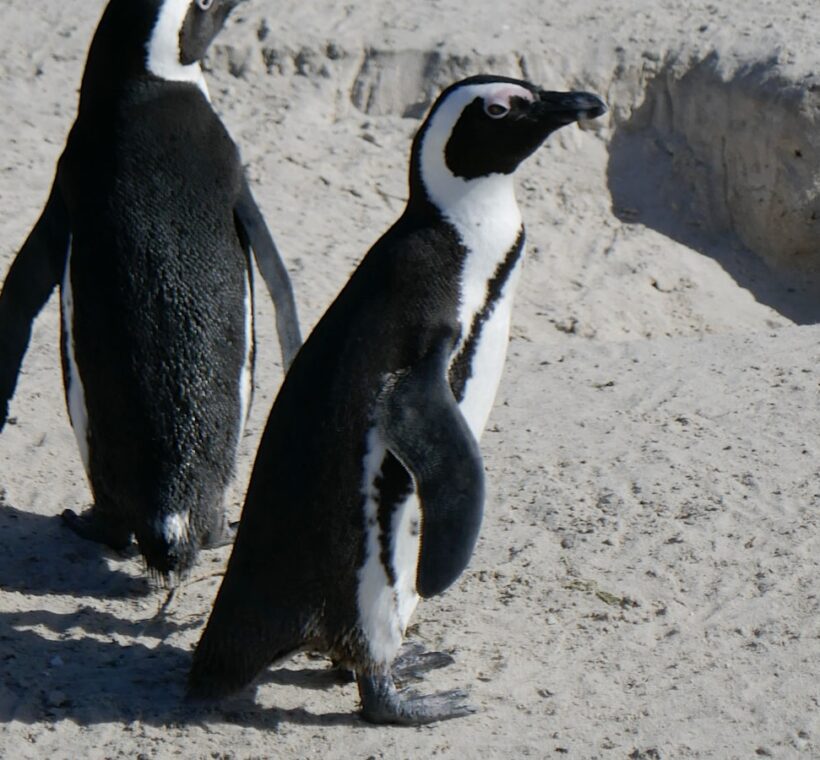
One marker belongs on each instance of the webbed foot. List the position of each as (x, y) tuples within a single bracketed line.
[(412, 663), (94, 525), (382, 703), (410, 666)]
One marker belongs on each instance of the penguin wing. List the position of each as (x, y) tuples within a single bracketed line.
[(252, 227), (35, 271), (425, 430)]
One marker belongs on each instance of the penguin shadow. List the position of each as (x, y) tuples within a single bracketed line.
[(242, 710), (43, 557), (316, 679), (90, 667), (646, 189), (410, 668)]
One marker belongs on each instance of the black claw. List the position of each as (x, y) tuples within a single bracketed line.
[(93, 526), (382, 703)]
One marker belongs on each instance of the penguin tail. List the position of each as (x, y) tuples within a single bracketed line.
[(215, 675), (167, 558), (171, 541), (228, 658), (250, 628)]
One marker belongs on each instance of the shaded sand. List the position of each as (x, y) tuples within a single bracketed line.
[(646, 582)]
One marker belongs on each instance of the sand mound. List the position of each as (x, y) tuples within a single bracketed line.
[(645, 584), (720, 149)]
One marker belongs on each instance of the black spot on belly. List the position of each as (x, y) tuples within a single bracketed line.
[(461, 369)]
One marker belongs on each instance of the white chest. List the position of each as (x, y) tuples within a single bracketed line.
[(488, 222), (488, 358)]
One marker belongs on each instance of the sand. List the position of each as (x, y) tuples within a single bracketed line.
[(646, 582)]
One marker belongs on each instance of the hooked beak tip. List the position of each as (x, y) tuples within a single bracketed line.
[(593, 113), (571, 106)]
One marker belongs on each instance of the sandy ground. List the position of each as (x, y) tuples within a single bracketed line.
[(646, 583)]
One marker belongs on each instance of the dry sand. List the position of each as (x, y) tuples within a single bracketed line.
[(647, 580)]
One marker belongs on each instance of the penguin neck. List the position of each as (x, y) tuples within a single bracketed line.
[(126, 48), (483, 212), (484, 207), (115, 55), (487, 221), (163, 57)]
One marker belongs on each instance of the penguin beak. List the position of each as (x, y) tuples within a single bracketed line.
[(560, 108)]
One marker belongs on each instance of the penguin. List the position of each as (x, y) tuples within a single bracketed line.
[(367, 491), (148, 232)]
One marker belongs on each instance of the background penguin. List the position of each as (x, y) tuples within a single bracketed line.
[(148, 229), (367, 490)]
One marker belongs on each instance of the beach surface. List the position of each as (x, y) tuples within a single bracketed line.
[(647, 580)]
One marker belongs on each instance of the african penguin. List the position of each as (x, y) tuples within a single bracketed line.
[(367, 491), (148, 231)]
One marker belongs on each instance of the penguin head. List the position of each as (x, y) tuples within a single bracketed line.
[(182, 33), (485, 126), (163, 38)]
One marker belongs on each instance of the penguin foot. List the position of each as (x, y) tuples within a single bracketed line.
[(413, 663), (92, 526), (382, 703), (223, 536)]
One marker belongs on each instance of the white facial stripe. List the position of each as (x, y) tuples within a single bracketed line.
[(504, 94), (163, 54)]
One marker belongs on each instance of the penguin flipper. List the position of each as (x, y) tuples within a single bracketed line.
[(426, 431), (34, 273), (253, 228)]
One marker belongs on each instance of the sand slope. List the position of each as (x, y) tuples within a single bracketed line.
[(646, 583)]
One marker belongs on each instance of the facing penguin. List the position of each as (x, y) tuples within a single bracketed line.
[(148, 231), (367, 490)]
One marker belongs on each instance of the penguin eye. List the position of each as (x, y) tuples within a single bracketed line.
[(204, 5), (496, 110)]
